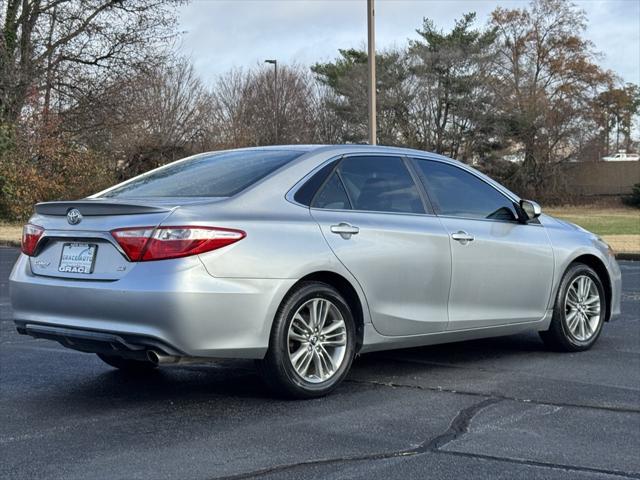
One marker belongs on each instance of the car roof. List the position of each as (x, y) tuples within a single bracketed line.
[(345, 148), (334, 150)]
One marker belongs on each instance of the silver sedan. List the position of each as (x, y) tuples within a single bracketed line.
[(302, 257)]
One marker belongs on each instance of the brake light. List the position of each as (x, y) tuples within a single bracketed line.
[(133, 240), (30, 237), (145, 244)]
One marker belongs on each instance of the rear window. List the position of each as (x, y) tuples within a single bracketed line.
[(217, 175)]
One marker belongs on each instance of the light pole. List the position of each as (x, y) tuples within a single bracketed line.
[(275, 94), (371, 28)]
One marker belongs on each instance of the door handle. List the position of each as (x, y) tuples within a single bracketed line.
[(462, 237), (344, 230)]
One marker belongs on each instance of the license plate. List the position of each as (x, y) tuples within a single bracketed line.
[(77, 257)]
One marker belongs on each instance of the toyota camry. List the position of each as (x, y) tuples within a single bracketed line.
[(301, 257)]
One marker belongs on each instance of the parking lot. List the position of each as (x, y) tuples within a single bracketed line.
[(499, 408)]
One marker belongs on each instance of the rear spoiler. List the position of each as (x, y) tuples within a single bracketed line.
[(97, 207)]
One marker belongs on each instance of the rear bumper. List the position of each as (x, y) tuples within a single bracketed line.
[(173, 305), (130, 346)]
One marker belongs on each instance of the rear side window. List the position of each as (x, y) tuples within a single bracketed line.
[(455, 192), (380, 184), (332, 195), (306, 192), (217, 175)]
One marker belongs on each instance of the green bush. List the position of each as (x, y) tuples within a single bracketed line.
[(633, 200)]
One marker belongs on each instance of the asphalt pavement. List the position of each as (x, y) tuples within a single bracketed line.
[(499, 408)]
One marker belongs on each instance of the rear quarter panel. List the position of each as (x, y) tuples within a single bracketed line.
[(283, 242)]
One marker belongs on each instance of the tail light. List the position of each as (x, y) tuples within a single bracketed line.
[(133, 240), (146, 243), (30, 237)]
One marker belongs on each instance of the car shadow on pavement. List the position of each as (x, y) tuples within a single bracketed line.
[(230, 381), (239, 379), (186, 384), (468, 352)]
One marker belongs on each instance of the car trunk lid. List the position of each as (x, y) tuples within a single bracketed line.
[(77, 243)]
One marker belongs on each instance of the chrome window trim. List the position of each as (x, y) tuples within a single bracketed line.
[(508, 222), (315, 209), (409, 158)]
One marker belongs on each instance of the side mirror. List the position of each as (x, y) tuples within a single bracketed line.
[(531, 209)]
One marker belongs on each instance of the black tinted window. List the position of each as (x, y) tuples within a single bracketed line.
[(306, 192), (380, 184), (332, 195), (455, 192), (216, 175)]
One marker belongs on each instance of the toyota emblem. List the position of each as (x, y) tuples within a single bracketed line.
[(74, 216)]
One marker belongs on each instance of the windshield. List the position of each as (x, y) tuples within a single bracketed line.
[(217, 175)]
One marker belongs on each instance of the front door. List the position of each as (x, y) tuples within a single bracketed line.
[(502, 269)]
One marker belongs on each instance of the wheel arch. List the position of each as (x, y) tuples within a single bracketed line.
[(600, 268), (348, 291)]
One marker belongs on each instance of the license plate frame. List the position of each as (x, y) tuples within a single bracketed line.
[(77, 265)]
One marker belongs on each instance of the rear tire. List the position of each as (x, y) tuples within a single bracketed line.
[(312, 344), (127, 364), (579, 311)]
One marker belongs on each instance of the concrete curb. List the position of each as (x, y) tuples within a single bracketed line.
[(628, 256)]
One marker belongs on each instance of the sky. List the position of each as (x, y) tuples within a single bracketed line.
[(223, 34)]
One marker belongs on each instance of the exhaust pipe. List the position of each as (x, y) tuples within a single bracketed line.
[(162, 359)]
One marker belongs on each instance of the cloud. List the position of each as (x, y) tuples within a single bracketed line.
[(223, 34)]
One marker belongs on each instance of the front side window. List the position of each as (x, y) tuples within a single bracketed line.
[(217, 175), (374, 183), (455, 192)]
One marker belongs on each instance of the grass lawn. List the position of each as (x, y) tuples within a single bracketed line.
[(10, 233), (619, 227), (602, 221)]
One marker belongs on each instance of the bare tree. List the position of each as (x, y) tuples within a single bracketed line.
[(62, 48), (329, 128), (245, 107), (164, 114), (292, 111), (229, 96)]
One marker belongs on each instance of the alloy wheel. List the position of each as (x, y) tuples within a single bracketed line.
[(582, 308), (317, 340)]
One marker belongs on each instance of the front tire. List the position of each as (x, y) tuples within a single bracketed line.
[(579, 311), (312, 342)]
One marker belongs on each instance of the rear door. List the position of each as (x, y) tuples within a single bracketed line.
[(502, 269), (375, 220)]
